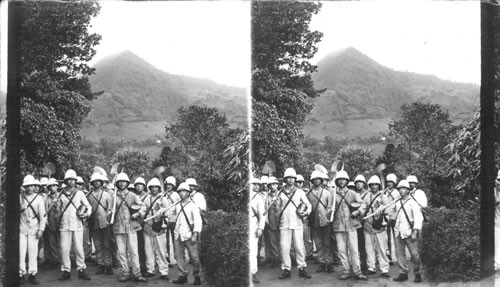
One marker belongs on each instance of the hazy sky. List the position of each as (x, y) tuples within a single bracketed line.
[(439, 38), (200, 39)]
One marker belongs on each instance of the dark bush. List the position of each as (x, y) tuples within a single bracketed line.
[(224, 249), (451, 247)]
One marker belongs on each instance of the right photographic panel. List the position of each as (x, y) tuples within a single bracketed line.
[(366, 143)]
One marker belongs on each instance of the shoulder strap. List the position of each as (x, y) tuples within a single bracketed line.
[(319, 200), (151, 206), (98, 201), (340, 202), (287, 203), (411, 194), (185, 215), (372, 201), (30, 203), (406, 215), (67, 205), (123, 200)]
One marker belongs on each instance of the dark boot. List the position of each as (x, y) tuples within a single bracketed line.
[(140, 279), (148, 274), (83, 275), (321, 268), (254, 279), (345, 276), (21, 280), (65, 276), (100, 270), (109, 270), (286, 274), (329, 267), (360, 277), (32, 279), (197, 280), (180, 280), (124, 278), (303, 273), (418, 278), (401, 277)]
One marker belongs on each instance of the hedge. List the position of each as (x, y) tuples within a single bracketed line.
[(224, 249), (451, 244)]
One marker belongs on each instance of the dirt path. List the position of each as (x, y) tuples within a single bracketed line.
[(269, 277), (48, 278)]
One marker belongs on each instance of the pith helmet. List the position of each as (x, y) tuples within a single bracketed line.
[(391, 177), (154, 182), (183, 186), (122, 177), (317, 174), (191, 181), (361, 178), (342, 175), (412, 178), (70, 174), (290, 172), (29, 180), (170, 180), (374, 180), (139, 180), (403, 183), (300, 178)]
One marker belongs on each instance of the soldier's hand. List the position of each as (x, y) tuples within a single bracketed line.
[(194, 237), (258, 233), (39, 234), (135, 215), (414, 235)]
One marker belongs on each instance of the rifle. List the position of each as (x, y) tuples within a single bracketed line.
[(163, 210)]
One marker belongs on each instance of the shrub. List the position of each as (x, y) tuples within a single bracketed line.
[(224, 249), (451, 247)]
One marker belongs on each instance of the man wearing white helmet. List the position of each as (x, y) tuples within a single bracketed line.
[(322, 201), (43, 182), (308, 243), (257, 224), (345, 224), (188, 226), (74, 208), (408, 224), (155, 239), (360, 188), (51, 233), (101, 203), (125, 226), (293, 205), (172, 197), (197, 197), (392, 194), (374, 229), (421, 199), (31, 227), (142, 192), (271, 229)]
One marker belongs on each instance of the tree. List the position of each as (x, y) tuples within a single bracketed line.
[(423, 131), (282, 45), (356, 160), (135, 163), (54, 87)]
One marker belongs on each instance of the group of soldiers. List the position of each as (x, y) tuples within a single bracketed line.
[(133, 224), (354, 223)]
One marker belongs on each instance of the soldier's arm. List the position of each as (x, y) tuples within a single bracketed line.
[(85, 202), (42, 219)]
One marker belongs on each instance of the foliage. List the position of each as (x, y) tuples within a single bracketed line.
[(227, 232), (54, 87), (201, 138), (356, 160), (282, 45), (451, 244), (134, 162)]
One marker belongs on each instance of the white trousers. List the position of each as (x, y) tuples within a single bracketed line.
[(253, 250), (72, 239), (375, 245), (286, 238), (497, 247), (128, 254), (28, 244), (155, 248), (348, 241)]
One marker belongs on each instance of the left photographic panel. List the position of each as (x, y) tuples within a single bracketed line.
[(127, 142)]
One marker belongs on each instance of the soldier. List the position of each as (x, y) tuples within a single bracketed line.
[(374, 229), (199, 199), (87, 243), (51, 234), (101, 203), (32, 225), (263, 192), (110, 188), (345, 224), (41, 190), (141, 191), (155, 240), (74, 208), (322, 201), (408, 224), (257, 223), (392, 194), (421, 199), (188, 226), (293, 206), (308, 243), (360, 188), (271, 229), (125, 226), (172, 197)]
